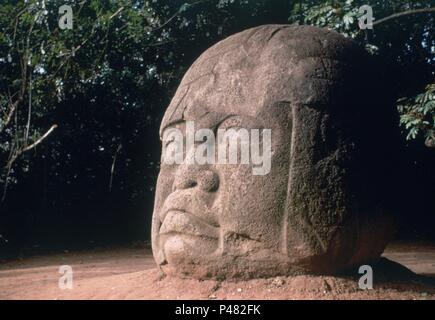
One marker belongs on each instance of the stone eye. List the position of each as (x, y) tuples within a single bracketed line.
[(231, 123)]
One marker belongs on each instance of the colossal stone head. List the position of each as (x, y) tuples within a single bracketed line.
[(320, 208)]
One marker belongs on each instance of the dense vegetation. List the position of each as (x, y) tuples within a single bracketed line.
[(80, 107)]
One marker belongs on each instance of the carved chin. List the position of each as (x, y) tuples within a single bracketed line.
[(180, 248)]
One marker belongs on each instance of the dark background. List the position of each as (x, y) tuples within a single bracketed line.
[(64, 200)]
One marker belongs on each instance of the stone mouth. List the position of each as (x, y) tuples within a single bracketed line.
[(180, 222)]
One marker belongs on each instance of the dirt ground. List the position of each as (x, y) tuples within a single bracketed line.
[(130, 273)]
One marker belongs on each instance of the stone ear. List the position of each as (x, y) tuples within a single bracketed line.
[(317, 199), (301, 235)]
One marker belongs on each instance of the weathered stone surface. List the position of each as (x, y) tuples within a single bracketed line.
[(321, 208)]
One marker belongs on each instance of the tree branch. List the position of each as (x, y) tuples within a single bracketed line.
[(29, 110), (398, 15), (16, 151), (21, 92), (42, 138), (404, 13), (112, 170), (12, 108), (187, 5)]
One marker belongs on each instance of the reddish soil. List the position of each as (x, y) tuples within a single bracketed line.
[(130, 273)]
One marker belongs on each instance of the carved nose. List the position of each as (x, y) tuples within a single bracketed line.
[(189, 176)]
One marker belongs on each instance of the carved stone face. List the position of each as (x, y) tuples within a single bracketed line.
[(309, 213)]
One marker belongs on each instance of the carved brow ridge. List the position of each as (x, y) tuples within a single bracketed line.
[(219, 118)]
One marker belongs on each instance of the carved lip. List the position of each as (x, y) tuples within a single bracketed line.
[(178, 221)]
